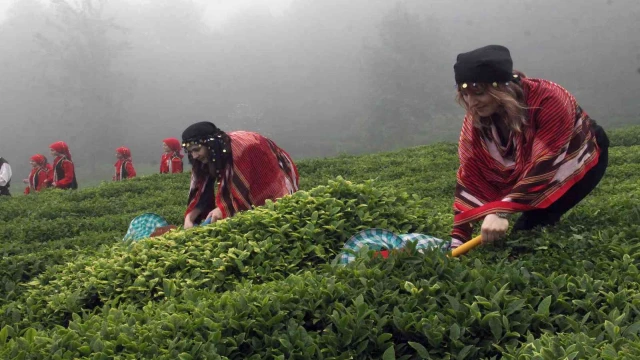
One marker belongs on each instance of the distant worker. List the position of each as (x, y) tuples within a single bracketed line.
[(248, 167), (171, 162), (124, 166), (40, 171), (5, 177), (525, 146), (63, 175)]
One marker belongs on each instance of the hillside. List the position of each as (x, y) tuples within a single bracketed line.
[(261, 285)]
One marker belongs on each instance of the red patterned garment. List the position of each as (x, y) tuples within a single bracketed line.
[(171, 163), (260, 170), (63, 175), (39, 174), (536, 167), (124, 167)]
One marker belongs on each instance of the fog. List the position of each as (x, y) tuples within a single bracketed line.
[(319, 77)]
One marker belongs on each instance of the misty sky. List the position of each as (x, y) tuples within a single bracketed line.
[(216, 14), (319, 77)]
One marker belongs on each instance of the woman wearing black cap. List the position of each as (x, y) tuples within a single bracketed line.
[(525, 146), (248, 167)]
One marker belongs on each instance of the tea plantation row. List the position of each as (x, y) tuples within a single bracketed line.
[(262, 284)]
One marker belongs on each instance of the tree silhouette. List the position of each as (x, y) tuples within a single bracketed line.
[(405, 77), (79, 72)]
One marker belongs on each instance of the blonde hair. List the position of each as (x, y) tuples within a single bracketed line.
[(511, 100)]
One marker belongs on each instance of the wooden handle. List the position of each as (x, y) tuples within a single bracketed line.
[(462, 249)]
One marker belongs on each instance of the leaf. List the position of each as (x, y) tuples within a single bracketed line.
[(630, 331), (496, 328), (169, 287), (490, 316), (464, 352), (216, 336), (98, 346), (389, 354), (612, 330), (543, 307), (382, 338), (454, 331), (4, 333), (84, 350), (455, 305), (514, 306), (409, 287), (30, 334), (422, 351), (572, 355), (505, 323)]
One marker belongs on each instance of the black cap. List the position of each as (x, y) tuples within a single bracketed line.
[(488, 64), (200, 130)]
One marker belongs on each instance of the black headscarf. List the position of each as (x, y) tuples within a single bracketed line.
[(217, 141)]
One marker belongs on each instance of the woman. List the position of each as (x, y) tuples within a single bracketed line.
[(525, 146), (63, 175), (171, 162), (124, 166), (248, 167), (40, 172)]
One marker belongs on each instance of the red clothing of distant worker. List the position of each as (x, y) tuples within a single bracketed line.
[(39, 174), (124, 166), (63, 175), (171, 162)]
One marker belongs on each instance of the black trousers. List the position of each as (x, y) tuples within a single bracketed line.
[(4, 191), (552, 214)]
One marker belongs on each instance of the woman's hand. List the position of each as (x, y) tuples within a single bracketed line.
[(188, 224), (215, 215), (190, 218), (493, 228)]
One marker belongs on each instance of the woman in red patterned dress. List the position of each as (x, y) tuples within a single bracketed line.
[(526, 146), (171, 161), (40, 170), (124, 166), (248, 167), (63, 175)]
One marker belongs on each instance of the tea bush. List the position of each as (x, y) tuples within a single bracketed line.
[(262, 284)]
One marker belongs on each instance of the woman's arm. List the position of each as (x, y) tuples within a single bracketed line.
[(191, 218)]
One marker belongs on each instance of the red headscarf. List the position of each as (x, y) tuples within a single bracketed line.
[(124, 151), (174, 144), (62, 148), (39, 159)]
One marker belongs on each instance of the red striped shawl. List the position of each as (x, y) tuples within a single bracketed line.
[(553, 152), (261, 170)]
